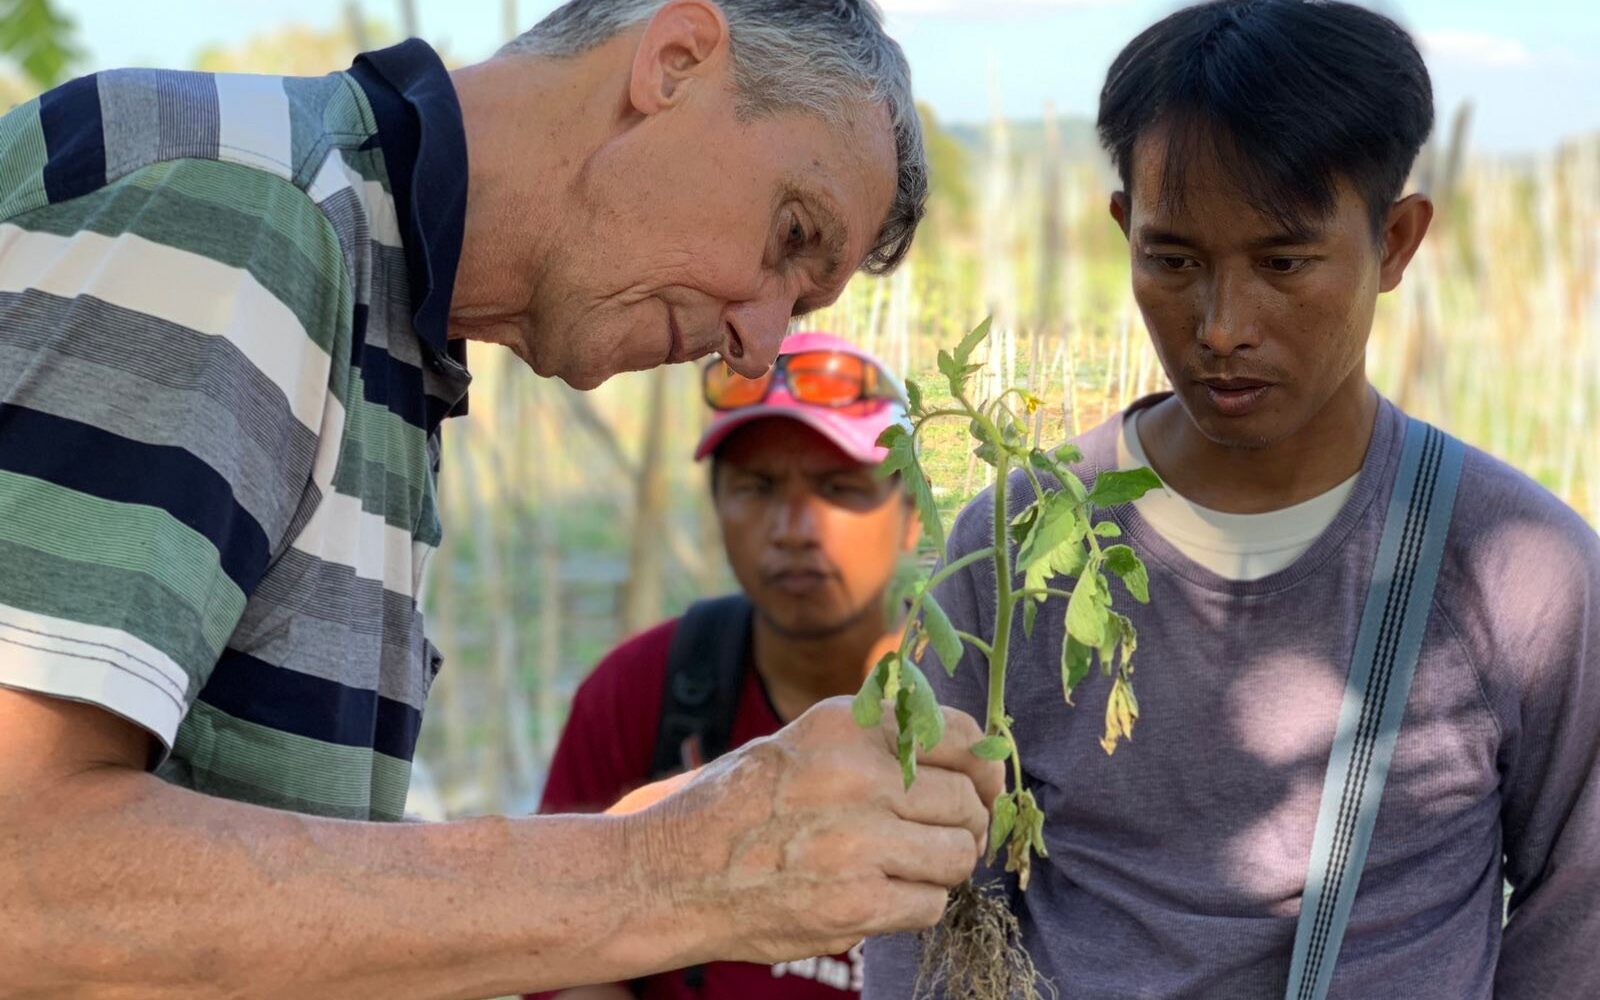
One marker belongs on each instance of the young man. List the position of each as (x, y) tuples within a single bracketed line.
[(813, 536), (232, 312), (1262, 147)]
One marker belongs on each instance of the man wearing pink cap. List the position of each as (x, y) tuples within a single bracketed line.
[(813, 536)]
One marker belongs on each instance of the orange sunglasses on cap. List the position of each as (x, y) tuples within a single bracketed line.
[(833, 379)]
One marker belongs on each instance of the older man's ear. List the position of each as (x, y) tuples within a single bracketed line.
[(686, 40)]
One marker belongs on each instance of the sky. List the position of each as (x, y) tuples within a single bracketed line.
[(1530, 69)]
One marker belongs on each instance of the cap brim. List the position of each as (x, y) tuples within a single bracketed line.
[(843, 432)]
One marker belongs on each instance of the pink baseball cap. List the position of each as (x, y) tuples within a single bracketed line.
[(853, 429)]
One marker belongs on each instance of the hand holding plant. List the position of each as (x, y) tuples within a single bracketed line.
[(1060, 551)]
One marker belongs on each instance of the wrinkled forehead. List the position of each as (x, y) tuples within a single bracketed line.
[(856, 165)]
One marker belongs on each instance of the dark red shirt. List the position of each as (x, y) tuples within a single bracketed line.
[(605, 752)]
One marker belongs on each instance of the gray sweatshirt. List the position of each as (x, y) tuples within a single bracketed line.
[(1176, 867)]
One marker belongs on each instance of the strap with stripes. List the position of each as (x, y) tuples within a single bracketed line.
[(1379, 682)]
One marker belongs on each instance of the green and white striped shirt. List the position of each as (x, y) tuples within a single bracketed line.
[(223, 366)]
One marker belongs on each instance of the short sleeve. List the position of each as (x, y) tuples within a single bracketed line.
[(164, 371)]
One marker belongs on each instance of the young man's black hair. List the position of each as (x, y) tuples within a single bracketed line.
[(1291, 95)]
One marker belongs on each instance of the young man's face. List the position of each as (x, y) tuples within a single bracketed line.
[(1259, 328), (813, 535)]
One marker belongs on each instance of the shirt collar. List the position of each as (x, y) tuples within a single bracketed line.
[(425, 153)]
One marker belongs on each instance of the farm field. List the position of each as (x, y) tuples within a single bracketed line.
[(580, 517)]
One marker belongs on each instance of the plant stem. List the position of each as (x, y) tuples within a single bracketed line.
[(1004, 606), (1016, 755)]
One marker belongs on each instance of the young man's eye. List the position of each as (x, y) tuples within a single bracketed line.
[(1286, 265), (1170, 262)]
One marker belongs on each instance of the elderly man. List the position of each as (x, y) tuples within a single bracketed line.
[(813, 536), (232, 318), (1308, 811)]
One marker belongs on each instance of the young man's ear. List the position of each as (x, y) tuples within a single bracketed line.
[(684, 40), (1121, 210), (1403, 229)]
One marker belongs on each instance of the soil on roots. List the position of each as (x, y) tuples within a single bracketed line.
[(975, 952)]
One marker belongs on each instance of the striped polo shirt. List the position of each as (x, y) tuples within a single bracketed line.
[(223, 367)]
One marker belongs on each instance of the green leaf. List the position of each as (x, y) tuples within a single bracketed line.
[(907, 751), (925, 716), (1030, 615), (1086, 612), (1121, 560), (1076, 661), (988, 453), (914, 397), (1068, 454), (954, 371), (1001, 822), (902, 457), (1023, 522), (1112, 488), (1036, 831), (1060, 523), (970, 342), (1108, 529), (868, 704), (1065, 561), (908, 581), (927, 509), (992, 748), (946, 643)]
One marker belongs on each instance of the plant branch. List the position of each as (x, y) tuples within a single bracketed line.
[(946, 572), (1019, 595), (979, 644)]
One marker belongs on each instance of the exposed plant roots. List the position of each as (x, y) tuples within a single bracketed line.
[(976, 953)]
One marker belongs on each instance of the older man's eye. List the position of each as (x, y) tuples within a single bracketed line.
[(797, 238)]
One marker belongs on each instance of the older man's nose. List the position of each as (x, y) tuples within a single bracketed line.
[(755, 329)]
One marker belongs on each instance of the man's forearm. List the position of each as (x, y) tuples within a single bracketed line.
[(115, 883)]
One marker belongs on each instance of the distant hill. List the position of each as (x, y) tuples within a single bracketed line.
[(1027, 136)]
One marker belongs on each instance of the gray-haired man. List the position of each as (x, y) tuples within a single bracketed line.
[(232, 313)]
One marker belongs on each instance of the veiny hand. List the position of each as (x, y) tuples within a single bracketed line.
[(805, 842)]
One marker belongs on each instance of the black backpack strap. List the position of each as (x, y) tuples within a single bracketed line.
[(705, 674)]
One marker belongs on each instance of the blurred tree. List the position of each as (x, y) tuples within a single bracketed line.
[(13, 91), (949, 175), (39, 39)]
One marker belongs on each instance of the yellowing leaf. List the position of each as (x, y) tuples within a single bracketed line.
[(1086, 612)]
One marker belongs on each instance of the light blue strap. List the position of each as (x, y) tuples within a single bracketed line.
[(1398, 599)]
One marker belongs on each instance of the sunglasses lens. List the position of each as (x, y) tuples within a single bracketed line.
[(726, 389), (826, 378)]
